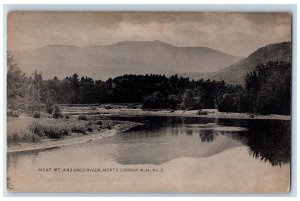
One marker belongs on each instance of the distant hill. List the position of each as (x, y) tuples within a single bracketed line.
[(132, 57), (235, 73)]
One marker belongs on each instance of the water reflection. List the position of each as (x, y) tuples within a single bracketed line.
[(189, 132), (270, 141), (161, 139), (267, 140), (207, 135)]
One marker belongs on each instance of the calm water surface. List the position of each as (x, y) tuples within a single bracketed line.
[(162, 139)]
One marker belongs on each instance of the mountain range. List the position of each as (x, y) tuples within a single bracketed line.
[(235, 73), (146, 57), (134, 57)]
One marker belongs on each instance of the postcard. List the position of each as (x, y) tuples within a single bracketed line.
[(192, 102)]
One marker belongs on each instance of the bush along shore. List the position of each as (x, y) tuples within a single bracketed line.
[(24, 131)]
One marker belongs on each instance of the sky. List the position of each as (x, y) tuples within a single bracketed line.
[(237, 34)]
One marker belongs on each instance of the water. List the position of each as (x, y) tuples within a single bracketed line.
[(251, 143), (165, 138)]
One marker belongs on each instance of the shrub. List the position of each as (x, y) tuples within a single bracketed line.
[(13, 138), (52, 132), (101, 127), (49, 109), (36, 114), (13, 113), (55, 133), (49, 131), (99, 123), (90, 129), (25, 136), (30, 137), (89, 123), (77, 129), (57, 113), (65, 132), (82, 117), (67, 117), (37, 129)]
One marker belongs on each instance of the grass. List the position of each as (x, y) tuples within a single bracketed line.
[(26, 136), (33, 130), (52, 132)]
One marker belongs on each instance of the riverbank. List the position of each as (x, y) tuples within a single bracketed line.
[(27, 134), (123, 110), (194, 113), (86, 123)]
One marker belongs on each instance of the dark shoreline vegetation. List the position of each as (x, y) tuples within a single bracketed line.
[(266, 90), (31, 130)]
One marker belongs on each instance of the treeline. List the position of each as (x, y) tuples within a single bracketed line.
[(266, 90)]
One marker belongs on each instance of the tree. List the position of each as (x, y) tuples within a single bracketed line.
[(173, 101), (16, 81), (51, 93), (190, 101), (230, 99), (268, 88), (227, 103), (153, 101), (33, 95), (74, 81), (56, 112)]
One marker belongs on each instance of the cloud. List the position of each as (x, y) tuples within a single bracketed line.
[(233, 33)]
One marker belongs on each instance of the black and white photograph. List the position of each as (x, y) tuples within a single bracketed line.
[(143, 101)]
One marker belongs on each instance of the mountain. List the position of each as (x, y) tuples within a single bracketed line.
[(132, 57), (235, 73)]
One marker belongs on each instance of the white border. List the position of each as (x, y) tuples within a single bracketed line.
[(210, 7)]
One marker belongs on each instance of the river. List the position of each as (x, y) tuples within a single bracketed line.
[(165, 154)]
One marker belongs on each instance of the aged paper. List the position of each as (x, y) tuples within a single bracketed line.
[(148, 101)]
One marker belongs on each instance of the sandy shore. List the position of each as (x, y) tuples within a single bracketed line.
[(181, 113)]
